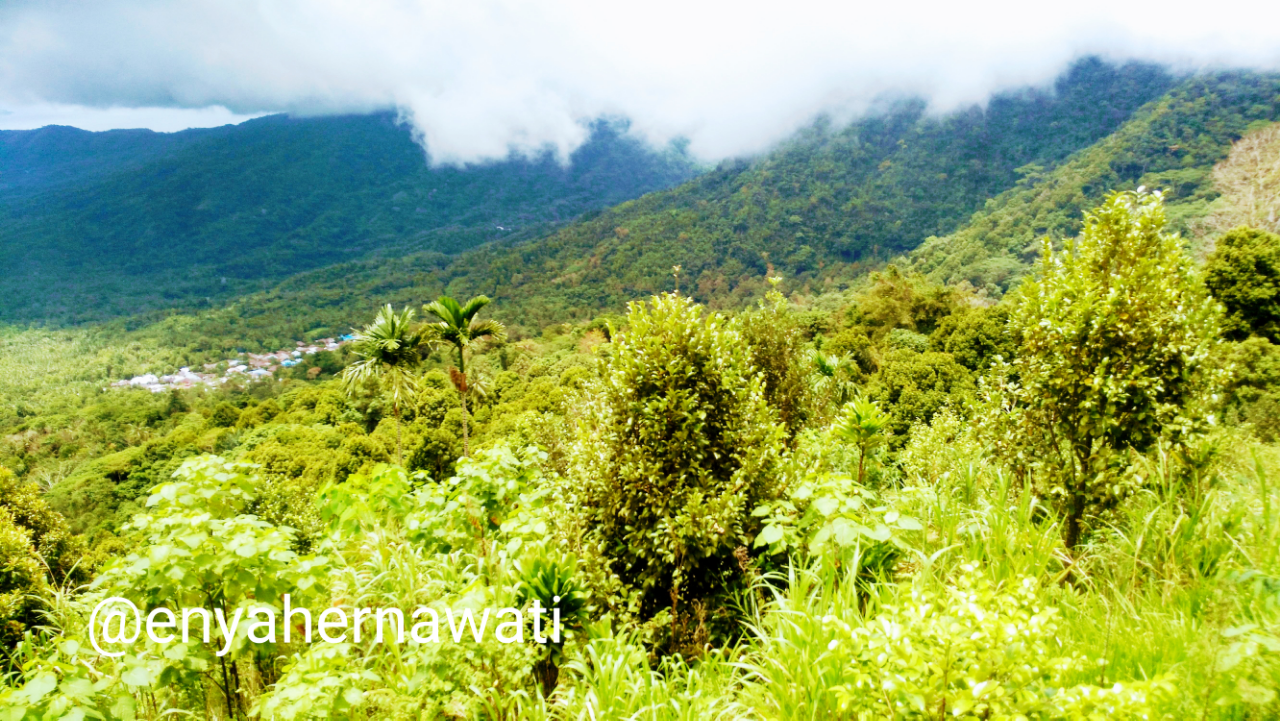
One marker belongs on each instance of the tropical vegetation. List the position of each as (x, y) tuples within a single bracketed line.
[(921, 491)]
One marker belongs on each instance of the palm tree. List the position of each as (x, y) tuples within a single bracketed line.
[(390, 348), (459, 327), (833, 373), (862, 424)]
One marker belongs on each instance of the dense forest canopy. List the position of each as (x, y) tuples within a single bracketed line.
[(963, 196), (101, 225), (823, 208)]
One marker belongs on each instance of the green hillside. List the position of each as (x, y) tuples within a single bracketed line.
[(98, 225), (822, 209), (859, 499), (977, 187), (1171, 145)]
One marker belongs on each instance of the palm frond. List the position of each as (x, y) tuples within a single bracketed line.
[(357, 373), (459, 325), (389, 348), (486, 328), (430, 337), (473, 306), (825, 365), (447, 310)]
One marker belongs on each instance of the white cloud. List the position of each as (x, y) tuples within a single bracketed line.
[(476, 77), (165, 120)]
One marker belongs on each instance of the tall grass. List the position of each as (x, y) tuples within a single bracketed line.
[(1170, 610)]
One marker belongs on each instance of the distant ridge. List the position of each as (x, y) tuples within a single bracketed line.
[(1171, 145), (98, 225), (962, 197), (822, 209)]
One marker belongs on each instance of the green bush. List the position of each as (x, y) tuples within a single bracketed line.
[(901, 338), (1253, 393), (1243, 273), (22, 580), (856, 344), (974, 649), (974, 338), (674, 448), (436, 454), (1115, 337), (915, 386), (224, 415), (944, 452), (50, 537), (896, 299), (776, 342)]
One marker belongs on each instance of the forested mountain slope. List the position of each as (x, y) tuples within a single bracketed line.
[(96, 225), (820, 209), (977, 187), (1170, 145), (57, 156), (823, 206)]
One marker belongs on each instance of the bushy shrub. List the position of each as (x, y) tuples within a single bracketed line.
[(1115, 337), (944, 453), (975, 337), (224, 415), (776, 344), (258, 415), (49, 534), (674, 448), (904, 339), (436, 453), (830, 517), (895, 299), (1243, 273), (917, 385), (1253, 392), (22, 580), (855, 344), (973, 649)]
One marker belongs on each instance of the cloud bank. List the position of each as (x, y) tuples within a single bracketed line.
[(164, 120), (479, 77)]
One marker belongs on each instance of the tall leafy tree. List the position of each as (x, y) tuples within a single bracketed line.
[(1115, 334), (390, 349), (459, 326)]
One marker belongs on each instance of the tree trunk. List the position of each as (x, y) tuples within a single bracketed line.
[(1075, 514), (399, 455), (462, 394), (226, 687), (466, 448), (862, 459), (235, 678), (548, 675)]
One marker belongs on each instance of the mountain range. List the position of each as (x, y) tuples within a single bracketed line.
[(101, 225), (352, 204)]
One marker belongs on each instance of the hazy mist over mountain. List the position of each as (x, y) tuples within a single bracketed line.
[(475, 79)]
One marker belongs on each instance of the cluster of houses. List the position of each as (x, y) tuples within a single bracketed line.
[(250, 366)]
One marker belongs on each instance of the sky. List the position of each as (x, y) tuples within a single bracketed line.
[(476, 78)]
